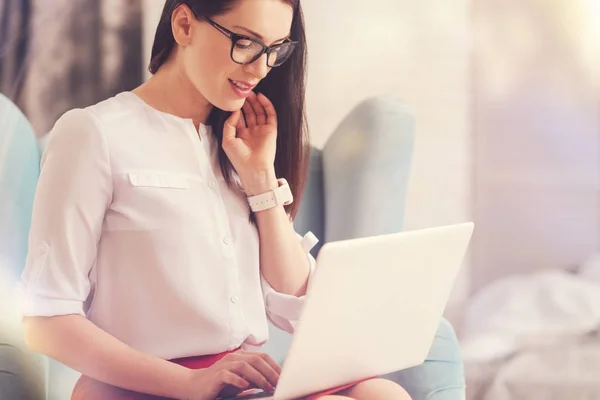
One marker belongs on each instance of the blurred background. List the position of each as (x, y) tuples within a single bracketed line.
[(506, 99)]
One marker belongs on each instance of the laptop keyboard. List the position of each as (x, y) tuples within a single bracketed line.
[(253, 394)]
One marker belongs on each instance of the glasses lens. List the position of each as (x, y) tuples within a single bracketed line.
[(245, 50), (280, 54)]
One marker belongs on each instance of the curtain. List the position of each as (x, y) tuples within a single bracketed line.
[(14, 20), (62, 54)]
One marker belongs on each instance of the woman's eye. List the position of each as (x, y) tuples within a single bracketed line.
[(244, 44)]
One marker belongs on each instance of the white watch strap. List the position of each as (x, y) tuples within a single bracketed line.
[(273, 198)]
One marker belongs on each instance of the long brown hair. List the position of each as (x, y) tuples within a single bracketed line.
[(284, 86)]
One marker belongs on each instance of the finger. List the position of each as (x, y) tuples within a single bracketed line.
[(271, 362), (229, 378), (230, 126), (242, 122), (249, 114), (269, 109), (252, 375), (245, 355), (261, 116), (264, 367)]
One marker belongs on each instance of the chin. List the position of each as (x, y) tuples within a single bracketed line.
[(230, 104)]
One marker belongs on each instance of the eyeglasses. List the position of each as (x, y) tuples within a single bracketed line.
[(246, 50)]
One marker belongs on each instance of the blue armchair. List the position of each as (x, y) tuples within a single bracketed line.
[(21, 374), (357, 187)]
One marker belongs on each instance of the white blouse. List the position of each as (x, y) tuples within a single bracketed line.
[(135, 228)]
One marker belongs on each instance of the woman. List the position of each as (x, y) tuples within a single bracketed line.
[(148, 242)]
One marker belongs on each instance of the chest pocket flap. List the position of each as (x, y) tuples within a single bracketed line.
[(165, 180)]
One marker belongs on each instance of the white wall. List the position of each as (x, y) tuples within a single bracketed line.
[(537, 130), (417, 50)]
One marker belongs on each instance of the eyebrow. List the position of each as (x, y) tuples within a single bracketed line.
[(258, 35)]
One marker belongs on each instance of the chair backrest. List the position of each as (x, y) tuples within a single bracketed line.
[(366, 167), (19, 172), (357, 184), (311, 215), (21, 372)]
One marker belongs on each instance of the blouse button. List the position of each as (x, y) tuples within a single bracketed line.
[(42, 249)]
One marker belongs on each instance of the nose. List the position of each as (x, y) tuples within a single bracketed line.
[(259, 68)]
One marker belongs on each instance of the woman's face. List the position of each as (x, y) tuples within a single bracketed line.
[(205, 52)]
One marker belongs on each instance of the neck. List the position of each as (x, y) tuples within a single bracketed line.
[(170, 91)]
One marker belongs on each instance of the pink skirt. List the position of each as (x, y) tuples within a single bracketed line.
[(87, 388)]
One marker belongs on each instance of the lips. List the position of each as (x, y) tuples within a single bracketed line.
[(244, 86), (241, 89)]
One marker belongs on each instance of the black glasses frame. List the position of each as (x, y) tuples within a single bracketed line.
[(234, 37)]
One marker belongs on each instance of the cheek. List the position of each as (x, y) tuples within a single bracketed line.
[(201, 64), (209, 67)]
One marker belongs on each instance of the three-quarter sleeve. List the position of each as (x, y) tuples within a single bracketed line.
[(73, 193)]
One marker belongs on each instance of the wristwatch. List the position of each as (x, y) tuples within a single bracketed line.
[(282, 195)]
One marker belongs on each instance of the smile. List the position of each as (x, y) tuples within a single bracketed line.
[(242, 89)]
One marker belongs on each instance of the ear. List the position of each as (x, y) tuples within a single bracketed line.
[(181, 22)]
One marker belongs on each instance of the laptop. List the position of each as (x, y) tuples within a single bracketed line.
[(373, 307)]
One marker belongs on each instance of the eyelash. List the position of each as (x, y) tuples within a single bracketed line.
[(242, 37)]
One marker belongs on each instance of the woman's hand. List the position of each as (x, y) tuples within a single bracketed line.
[(233, 374), (250, 142)]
